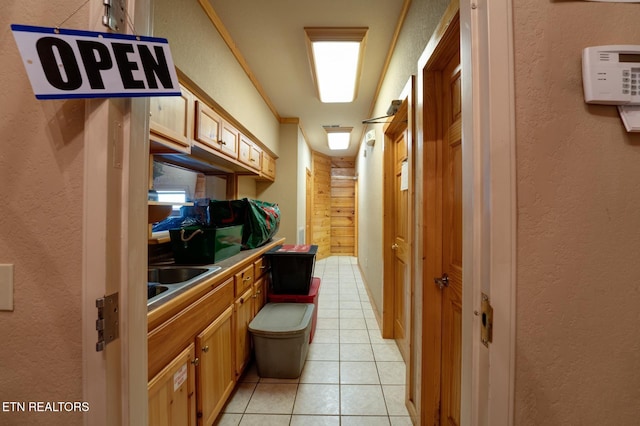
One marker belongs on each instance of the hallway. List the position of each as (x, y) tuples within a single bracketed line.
[(351, 377)]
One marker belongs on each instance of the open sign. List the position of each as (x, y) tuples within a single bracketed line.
[(63, 64)]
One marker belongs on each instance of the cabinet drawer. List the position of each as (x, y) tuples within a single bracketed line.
[(166, 341), (259, 268), (244, 279)]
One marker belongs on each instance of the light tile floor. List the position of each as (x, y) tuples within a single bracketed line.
[(352, 375)]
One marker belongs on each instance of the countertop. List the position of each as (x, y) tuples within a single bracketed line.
[(162, 309)]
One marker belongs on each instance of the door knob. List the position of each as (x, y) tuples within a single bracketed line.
[(442, 282), (394, 246)]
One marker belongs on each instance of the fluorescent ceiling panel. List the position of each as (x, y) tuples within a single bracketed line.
[(336, 58), (338, 137)]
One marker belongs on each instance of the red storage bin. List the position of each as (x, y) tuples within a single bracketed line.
[(312, 297)]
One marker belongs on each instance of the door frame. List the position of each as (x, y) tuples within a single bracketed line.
[(405, 112), (115, 246), (487, 59)]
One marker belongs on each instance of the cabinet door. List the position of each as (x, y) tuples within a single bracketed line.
[(259, 295), (268, 166), (171, 122), (230, 139), (215, 373), (208, 126), (243, 315), (249, 154), (171, 392)]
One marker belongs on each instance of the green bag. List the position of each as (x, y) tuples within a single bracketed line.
[(261, 222)]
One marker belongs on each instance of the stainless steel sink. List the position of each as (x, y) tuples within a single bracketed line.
[(166, 280), (174, 275), (155, 289)]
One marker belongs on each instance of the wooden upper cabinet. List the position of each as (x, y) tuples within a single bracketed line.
[(249, 154), (208, 125), (215, 132), (268, 166), (171, 122), (230, 139)]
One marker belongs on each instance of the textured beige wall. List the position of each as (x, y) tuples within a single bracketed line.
[(199, 51), (41, 180), (578, 232), (421, 20), (284, 190)]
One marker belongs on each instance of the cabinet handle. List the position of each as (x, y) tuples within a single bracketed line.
[(196, 362), (241, 300), (246, 278), (222, 142), (205, 349), (263, 267)]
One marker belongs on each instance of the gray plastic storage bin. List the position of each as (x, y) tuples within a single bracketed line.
[(281, 339)]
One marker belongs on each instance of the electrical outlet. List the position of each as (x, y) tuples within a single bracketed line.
[(6, 287)]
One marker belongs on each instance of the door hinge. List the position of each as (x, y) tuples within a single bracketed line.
[(108, 320), (486, 317), (115, 15)]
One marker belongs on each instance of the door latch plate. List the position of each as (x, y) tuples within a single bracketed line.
[(486, 333)]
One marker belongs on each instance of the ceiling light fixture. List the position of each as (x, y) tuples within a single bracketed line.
[(338, 137), (336, 55)]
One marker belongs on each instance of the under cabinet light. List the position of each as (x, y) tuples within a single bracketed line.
[(336, 55)]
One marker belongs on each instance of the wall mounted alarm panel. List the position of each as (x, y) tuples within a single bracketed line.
[(611, 74)]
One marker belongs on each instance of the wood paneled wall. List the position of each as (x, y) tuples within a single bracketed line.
[(343, 206), (321, 214), (334, 205)]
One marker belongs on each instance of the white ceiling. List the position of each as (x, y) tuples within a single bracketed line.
[(270, 36)]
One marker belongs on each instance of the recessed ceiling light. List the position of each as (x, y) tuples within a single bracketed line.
[(336, 55)]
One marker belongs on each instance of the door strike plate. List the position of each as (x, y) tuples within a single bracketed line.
[(486, 333), (108, 322)]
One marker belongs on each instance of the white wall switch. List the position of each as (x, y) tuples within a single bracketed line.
[(6, 287)]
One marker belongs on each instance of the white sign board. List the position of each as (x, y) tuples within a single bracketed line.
[(404, 176), (64, 64)]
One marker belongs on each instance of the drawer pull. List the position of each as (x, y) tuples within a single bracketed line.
[(196, 362), (246, 278), (205, 349)]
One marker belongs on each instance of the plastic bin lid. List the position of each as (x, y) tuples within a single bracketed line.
[(282, 319), (294, 249)]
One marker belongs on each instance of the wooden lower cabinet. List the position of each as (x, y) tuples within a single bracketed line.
[(192, 388), (215, 373), (243, 316), (172, 399)]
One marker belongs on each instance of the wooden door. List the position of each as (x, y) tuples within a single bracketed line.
[(308, 233), (321, 214), (401, 240), (451, 244)]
